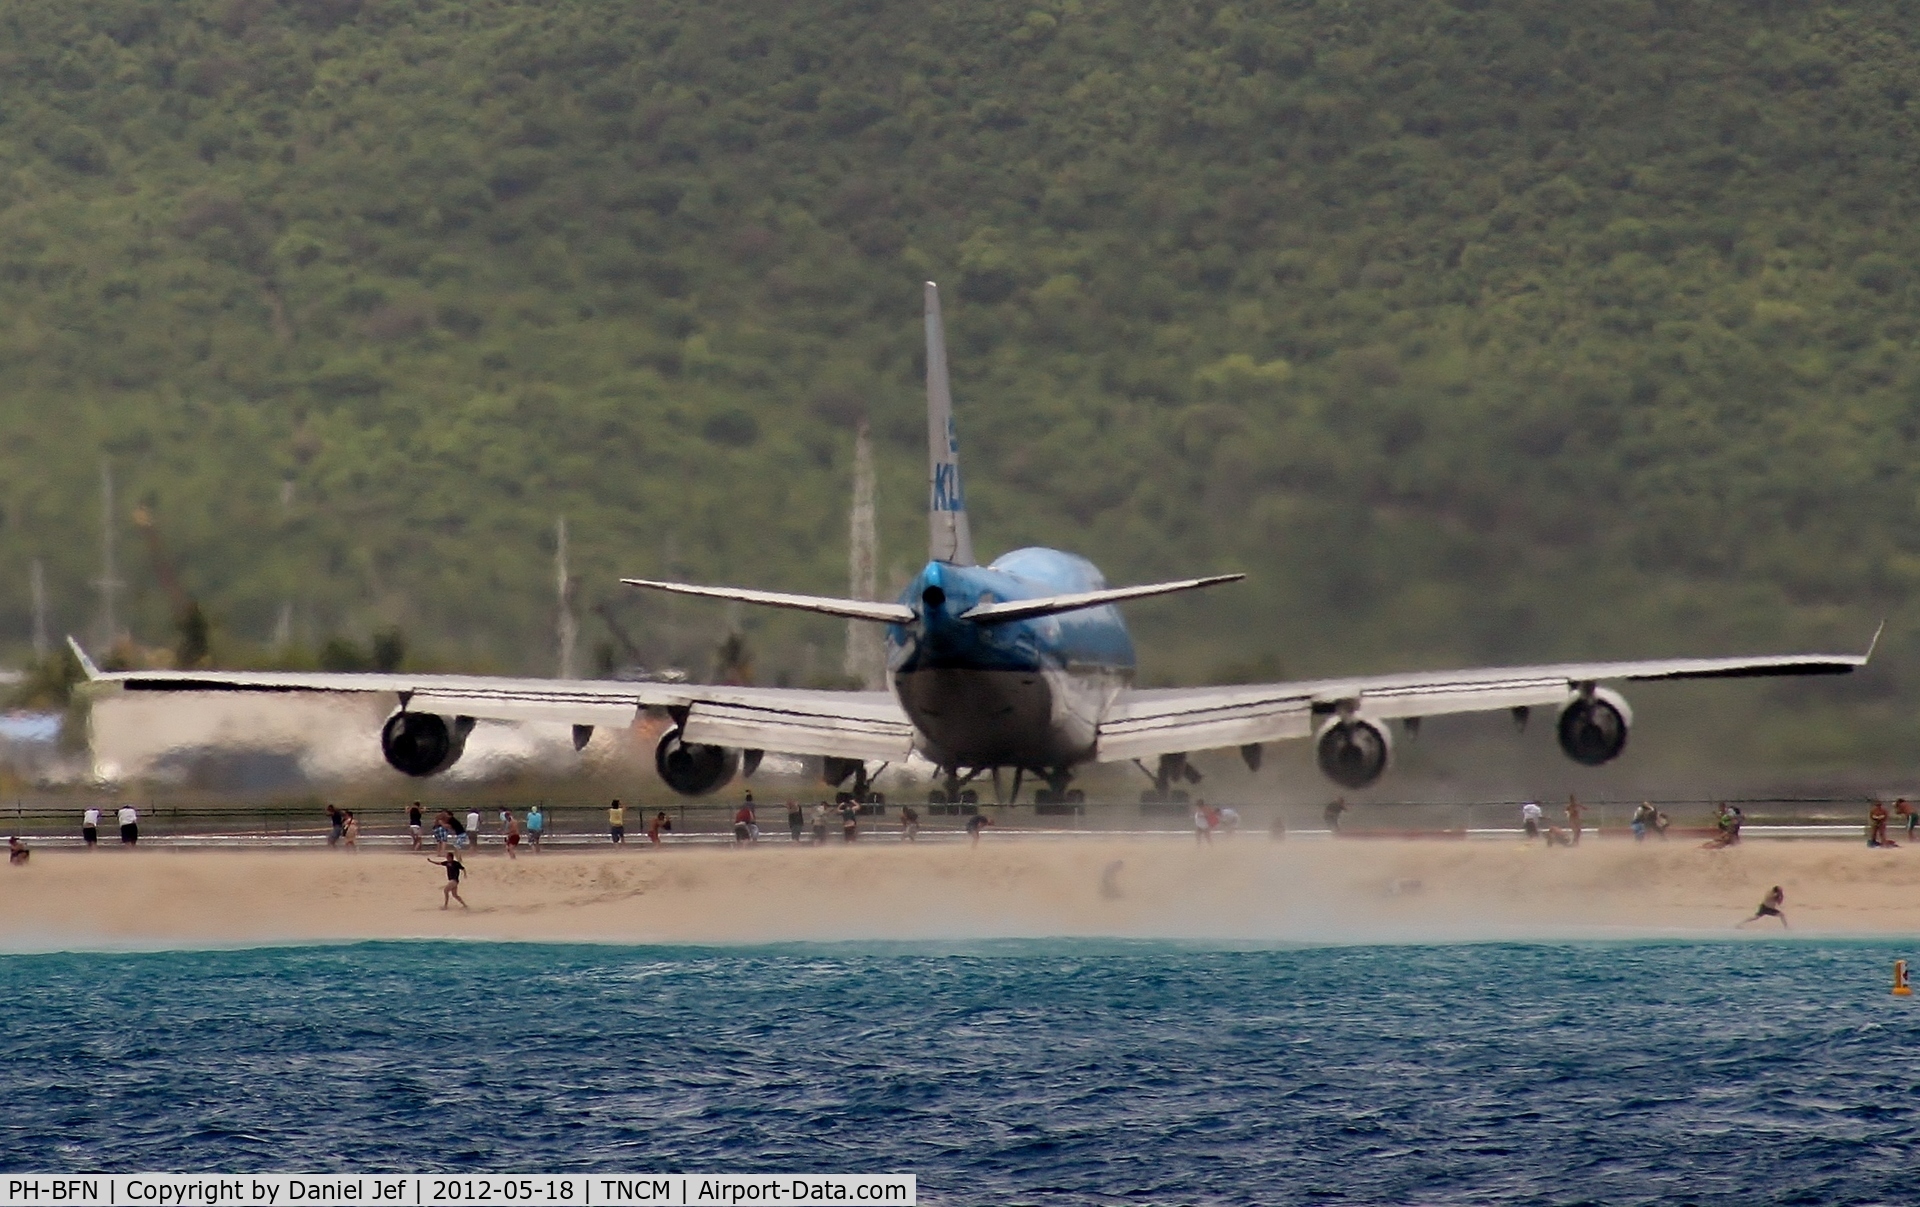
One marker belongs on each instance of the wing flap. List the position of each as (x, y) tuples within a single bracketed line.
[(1149, 724), (845, 733)]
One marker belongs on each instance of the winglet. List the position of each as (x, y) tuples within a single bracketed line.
[(1872, 645), (80, 655)]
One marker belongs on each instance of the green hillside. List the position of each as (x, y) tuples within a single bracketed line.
[(1484, 329)]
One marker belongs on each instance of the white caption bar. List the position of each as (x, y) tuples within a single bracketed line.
[(450, 1190)]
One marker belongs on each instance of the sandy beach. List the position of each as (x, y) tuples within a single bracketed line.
[(1249, 889)]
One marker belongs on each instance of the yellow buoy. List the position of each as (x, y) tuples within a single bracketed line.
[(1900, 986)]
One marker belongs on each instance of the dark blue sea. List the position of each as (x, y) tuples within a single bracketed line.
[(1013, 1072)]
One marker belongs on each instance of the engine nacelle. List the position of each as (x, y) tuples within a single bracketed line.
[(1593, 727), (1353, 751), (692, 769), (423, 743)]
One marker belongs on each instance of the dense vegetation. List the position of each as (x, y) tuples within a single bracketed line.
[(1473, 329)]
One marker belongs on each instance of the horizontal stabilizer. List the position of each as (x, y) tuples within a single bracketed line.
[(80, 656), (857, 609), (1048, 605)]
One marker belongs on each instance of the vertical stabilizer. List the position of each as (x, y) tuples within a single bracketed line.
[(949, 540)]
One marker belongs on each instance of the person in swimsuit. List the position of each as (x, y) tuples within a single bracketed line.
[(1575, 813), (1771, 906), (1877, 825), (661, 824), (350, 830), (452, 892), (413, 823), (16, 850), (512, 828)]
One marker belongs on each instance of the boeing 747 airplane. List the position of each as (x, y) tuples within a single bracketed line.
[(1021, 665)]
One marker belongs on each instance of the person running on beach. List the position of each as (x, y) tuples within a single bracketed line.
[(17, 851), (336, 822), (350, 831), (977, 823), (512, 827), (413, 823), (849, 821), (1575, 811), (796, 819), (1332, 813), (1771, 906), (819, 823), (129, 826), (442, 831), (662, 824), (452, 892), (909, 823), (617, 824), (456, 830), (1530, 816), (90, 828)]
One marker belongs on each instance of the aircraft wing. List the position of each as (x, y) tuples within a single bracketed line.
[(1179, 720), (866, 725)]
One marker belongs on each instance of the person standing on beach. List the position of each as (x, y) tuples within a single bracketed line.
[(796, 818), (1530, 819), (909, 823), (1643, 820), (90, 828), (413, 823), (617, 824), (512, 828), (1575, 811), (336, 822), (17, 852), (129, 826), (350, 831), (1332, 814), (743, 825), (1902, 809), (536, 827), (661, 824), (473, 829), (820, 823), (1771, 906), (454, 867), (1877, 825), (849, 821)]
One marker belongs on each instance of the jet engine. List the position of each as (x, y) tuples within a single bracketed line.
[(1353, 751), (692, 769), (1593, 727), (423, 743)]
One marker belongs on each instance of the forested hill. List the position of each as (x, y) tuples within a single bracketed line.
[(1474, 329)]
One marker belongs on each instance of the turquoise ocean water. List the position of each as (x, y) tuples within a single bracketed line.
[(1044, 1072)]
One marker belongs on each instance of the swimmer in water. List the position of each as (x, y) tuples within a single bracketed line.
[(1771, 906), (452, 892)]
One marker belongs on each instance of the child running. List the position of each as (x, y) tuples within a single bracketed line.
[(454, 868)]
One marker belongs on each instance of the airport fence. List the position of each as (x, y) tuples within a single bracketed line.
[(572, 821)]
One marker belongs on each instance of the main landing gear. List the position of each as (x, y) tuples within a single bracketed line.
[(854, 781), (1173, 769)]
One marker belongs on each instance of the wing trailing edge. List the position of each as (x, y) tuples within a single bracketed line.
[(856, 609), (1048, 605)]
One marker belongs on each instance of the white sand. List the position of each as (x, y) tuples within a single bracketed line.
[(1246, 889)]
